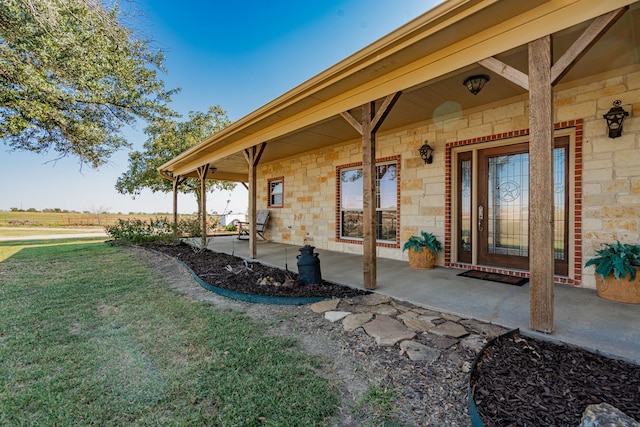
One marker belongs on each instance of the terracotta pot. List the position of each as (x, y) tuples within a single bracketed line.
[(424, 260), (622, 290)]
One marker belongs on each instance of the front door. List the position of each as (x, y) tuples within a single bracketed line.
[(499, 217)]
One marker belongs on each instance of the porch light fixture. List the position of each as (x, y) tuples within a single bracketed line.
[(426, 153), (476, 83), (614, 119)]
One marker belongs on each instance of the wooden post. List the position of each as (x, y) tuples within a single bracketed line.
[(253, 250), (541, 256), (202, 174), (177, 180), (252, 155), (369, 197), (371, 122), (175, 201), (543, 75)]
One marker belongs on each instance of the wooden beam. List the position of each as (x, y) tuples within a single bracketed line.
[(587, 39), (202, 174), (352, 121), (507, 71), (541, 254), (383, 111), (252, 155), (379, 117), (369, 196)]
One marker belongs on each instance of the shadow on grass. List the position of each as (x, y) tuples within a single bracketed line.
[(9, 248)]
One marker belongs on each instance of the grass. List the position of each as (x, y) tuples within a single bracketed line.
[(89, 335), (378, 406), (21, 232)]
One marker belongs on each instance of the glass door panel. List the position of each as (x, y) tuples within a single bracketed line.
[(499, 218), (508, 205), (503, 206), (465, 208)]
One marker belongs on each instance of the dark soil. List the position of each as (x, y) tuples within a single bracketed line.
[(525, 382), (236, 274), (518, 381)]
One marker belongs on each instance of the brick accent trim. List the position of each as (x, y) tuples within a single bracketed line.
[(576, 263), (338, 198)]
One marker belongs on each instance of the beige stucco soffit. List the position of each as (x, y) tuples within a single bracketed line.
[(193, 173)]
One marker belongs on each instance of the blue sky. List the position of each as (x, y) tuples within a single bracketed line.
[(239, 55)]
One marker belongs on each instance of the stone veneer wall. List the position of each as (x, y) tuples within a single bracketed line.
[(611, 167), (610, 205)]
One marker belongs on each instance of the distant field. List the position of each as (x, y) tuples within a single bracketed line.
[(68, 219)]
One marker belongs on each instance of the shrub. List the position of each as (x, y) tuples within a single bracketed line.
[(136, 231), (190, 227)]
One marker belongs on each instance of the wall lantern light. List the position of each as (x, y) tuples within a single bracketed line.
[(426, 153), (476, 83), (614, 119)]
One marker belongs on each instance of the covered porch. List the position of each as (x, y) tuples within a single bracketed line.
[(554, 69), (581, 317)]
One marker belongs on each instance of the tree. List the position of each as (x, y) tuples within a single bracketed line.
[(71, 76), (166, 139)]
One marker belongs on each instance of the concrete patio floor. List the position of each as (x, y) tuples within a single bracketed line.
[(581, 318)]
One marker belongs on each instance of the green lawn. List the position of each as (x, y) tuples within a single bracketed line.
[(22, 232), (90, 336)]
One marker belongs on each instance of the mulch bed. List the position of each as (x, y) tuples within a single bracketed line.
[(249, 277), (518, 382), (526, 382)]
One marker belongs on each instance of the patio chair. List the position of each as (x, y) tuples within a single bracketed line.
[(262, 218)]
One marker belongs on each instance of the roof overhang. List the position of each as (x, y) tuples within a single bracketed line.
[(427, 59)]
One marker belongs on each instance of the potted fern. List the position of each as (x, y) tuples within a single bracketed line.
[(422, 250), (614, 261)]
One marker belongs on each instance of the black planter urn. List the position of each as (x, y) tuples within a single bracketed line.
[(308, 266)]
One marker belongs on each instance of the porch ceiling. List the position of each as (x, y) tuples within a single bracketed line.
[(434, 99)]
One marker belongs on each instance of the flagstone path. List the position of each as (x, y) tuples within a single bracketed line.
[(419, 333)]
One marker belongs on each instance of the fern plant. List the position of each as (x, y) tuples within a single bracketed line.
[(425, 240), (617, 258)]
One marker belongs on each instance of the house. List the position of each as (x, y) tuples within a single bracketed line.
[(506, 97)]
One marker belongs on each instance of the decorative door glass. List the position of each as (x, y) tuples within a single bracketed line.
[(508, 205)]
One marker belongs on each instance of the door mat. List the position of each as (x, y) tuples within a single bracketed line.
[(495, 277)]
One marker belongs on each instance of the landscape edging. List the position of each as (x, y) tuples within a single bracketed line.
[(476, 420), (241, 296)]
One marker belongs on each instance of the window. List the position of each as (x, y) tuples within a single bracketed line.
[(351, 201), (276, 192)]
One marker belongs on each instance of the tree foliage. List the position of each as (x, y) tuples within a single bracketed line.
[(165, 140), (71, 76)]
